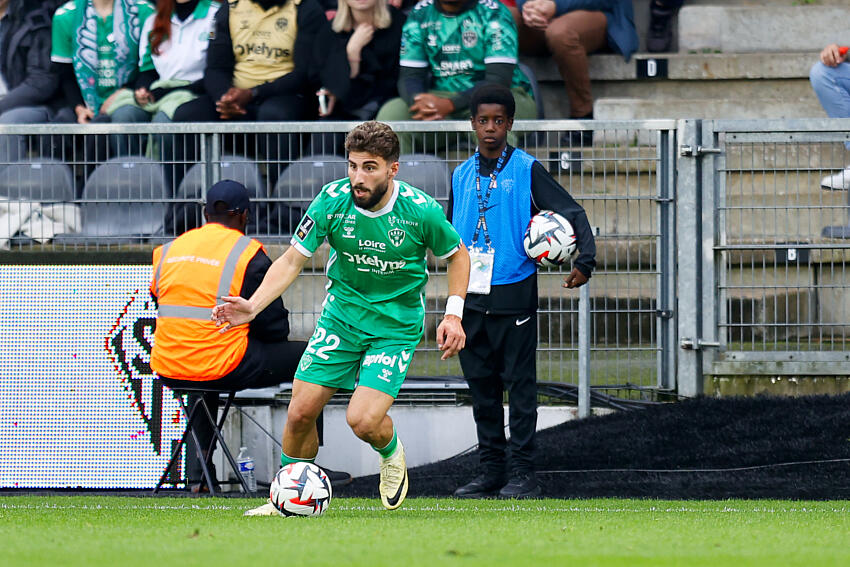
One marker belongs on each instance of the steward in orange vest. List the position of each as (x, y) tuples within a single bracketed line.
[(190, 273)]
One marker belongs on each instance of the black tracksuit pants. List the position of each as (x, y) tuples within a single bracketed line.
[(499, 356)]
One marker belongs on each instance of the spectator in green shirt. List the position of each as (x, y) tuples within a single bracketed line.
[(460, 44), (96, 44)]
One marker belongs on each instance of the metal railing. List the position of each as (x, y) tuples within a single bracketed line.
[(716, 244)]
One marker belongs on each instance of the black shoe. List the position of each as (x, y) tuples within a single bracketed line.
[(660, 36), (521, 485), (338, 478), (484, 486)]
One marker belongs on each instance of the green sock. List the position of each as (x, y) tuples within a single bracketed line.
[(287, 460), (390, 448)]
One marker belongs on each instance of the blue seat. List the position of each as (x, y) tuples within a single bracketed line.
[(299, 184), (188, 215), (427, 172), (43, 181), (124, 201)]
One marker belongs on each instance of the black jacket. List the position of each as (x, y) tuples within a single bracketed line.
[(378, 74), (218, 75), (25, 64)]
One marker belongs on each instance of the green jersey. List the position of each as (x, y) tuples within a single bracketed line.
[(377, 268), (456, 47), (97, 47)]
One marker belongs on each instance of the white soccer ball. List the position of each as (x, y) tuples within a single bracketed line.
[(301, 489), (549, 239)]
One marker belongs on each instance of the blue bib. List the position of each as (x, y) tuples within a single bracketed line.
[(508, 214)]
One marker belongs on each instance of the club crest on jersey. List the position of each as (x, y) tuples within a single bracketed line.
[(306, 361), (305, 227), (396, 236), (470, 38)]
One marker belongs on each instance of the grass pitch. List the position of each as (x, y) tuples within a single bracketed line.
[(94, 530)]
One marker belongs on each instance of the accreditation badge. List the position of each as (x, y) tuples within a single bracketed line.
[(480, 271)]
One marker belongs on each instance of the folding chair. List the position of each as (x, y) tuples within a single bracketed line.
[(200, 410)]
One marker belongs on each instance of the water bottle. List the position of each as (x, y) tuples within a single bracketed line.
[(246, 469)]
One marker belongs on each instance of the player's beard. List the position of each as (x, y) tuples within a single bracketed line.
[(373, 197)]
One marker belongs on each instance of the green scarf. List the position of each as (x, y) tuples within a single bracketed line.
[(126, 31)]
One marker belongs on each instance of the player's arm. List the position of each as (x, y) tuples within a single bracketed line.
[(450, 336), (237, 310)]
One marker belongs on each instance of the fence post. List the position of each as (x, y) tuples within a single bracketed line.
[(665, 309), (689, 258), (584, 351)]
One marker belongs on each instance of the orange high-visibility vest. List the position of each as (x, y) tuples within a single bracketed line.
[(190, 273)]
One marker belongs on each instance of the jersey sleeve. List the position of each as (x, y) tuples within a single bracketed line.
[(62, 34), (145, 55), (412, 52), (440, 236), (146, 14), (501, 39), (313, 228)]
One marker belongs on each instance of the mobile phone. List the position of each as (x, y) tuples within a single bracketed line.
[(323, 103)]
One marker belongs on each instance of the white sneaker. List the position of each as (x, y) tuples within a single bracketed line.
[(393, 486), (266, 509), (838, 181)]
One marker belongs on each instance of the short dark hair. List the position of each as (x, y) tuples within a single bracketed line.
[(374, 138), (493, 93)]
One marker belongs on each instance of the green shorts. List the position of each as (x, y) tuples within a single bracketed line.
[(337, 353)]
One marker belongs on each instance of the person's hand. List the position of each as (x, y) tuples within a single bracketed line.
[(361, 37), (84, 114), (108, 102), (143, 96), (395, 3), (575, 279), (450, 336), (233, 312), (233, 103), (427, 106), (538, 13), (331, 102), (831, 55)]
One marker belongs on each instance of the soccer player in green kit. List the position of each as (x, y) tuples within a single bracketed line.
[(373, 317)]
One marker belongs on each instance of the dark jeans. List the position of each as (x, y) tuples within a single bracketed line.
[(264, 365), (500, 355)]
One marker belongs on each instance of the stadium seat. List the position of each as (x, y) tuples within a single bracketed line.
[(299, 184), (427, 172), (535, 88), (201, 411), (124, 201), (44, 181), (185, 216)]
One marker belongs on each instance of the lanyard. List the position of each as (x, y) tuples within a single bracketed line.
[(482, 201)]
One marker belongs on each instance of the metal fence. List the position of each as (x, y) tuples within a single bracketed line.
[(717, 246), (773, 275)]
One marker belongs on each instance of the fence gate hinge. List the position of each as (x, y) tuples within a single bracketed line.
[(690, 151), (664, 313)]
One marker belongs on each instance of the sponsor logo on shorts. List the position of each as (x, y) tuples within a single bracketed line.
[(383, 358), (306, 361), (305, 227)]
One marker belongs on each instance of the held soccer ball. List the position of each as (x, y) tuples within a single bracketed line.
[(549, 239), (301, 489)]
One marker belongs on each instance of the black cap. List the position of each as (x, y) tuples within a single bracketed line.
[(232, 193)]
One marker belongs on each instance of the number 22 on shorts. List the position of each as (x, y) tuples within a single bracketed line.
[(330, 341)]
